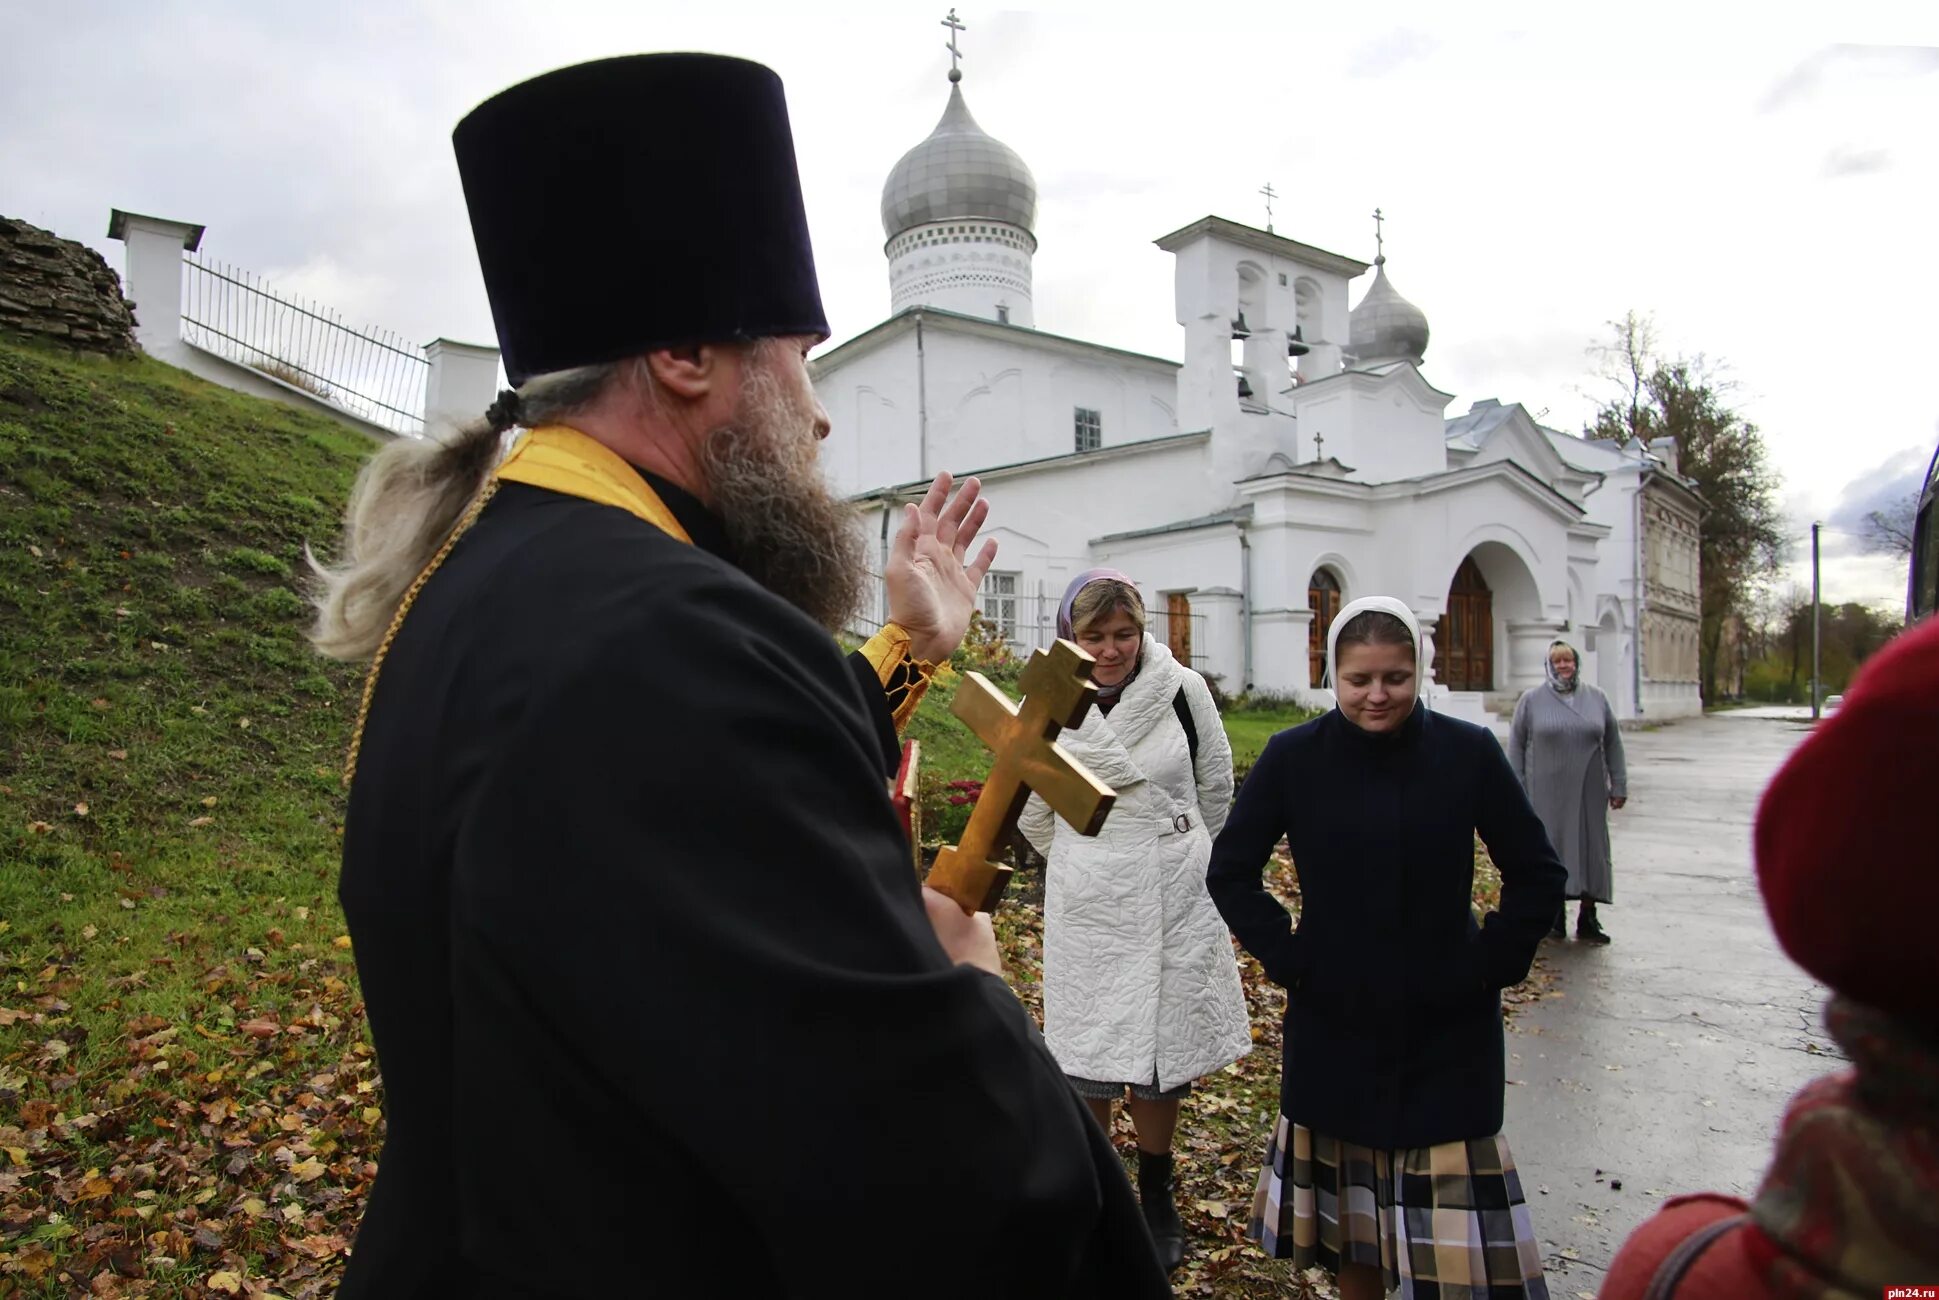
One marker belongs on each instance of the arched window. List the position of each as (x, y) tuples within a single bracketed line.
[(1252, 317), (1309, 318), (1323, 598)]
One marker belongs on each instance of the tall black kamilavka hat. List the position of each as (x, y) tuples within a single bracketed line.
[(636, 203)]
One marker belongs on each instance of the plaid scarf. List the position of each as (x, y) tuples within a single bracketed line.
[(1851, 1199)]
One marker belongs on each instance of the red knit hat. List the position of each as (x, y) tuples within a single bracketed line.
[(1848, 837)]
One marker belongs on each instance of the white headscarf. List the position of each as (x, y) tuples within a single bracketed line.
[(1383, 605)]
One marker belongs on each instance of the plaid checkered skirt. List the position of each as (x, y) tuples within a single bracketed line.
[(1445, 1222)]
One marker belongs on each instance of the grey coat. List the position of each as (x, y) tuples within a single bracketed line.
[(1568, 752)]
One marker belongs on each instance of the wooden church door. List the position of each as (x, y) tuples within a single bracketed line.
[(1178, 626), (1464, 658)]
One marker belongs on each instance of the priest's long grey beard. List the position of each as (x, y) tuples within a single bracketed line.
[(789, 530)]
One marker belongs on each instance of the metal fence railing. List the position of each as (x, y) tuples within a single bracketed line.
[(373, 374), (1029, 622)]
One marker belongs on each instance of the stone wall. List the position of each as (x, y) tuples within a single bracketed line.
[(60, 289)]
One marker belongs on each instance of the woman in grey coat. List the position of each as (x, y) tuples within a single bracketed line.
[(1568, 751)]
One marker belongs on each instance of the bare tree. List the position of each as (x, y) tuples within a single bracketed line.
[(1627, 360), (1768, 613), (1889, 531)]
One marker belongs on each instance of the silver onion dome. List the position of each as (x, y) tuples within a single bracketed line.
[(958, 172), (1385, 326)]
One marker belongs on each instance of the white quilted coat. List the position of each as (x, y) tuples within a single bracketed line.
[(1139, 976)]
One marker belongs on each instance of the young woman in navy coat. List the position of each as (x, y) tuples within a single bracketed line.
[(1391, 1103)]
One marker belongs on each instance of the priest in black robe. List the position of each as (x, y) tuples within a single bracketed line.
[(659, 1005)]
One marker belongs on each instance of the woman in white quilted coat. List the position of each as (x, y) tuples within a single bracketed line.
[(1141, 988)]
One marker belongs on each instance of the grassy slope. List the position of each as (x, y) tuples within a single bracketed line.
[(169, 986)]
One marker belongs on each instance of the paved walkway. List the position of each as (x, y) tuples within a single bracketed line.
[(1667, 1061), (1771, 713)]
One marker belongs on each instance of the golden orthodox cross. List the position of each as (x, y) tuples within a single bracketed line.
[(1057, 690)]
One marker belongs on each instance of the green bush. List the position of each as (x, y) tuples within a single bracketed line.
[(946, 801), (1267, 702), (985, 651), (1770, 681)]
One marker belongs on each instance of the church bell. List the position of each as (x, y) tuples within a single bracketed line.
[(1296, 346), (1239, 330)]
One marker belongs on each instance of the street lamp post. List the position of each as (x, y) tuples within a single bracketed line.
[(1817, 681)]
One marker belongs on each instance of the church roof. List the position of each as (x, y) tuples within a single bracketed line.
[(1385, 326), (1262, 241), (963, 322), (1063, 460), (1509, 471), (1600, 455), (1384, 372), (1482, 419), (1242, 514), (958, 172)]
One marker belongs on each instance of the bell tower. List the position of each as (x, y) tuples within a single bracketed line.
[(1284, 302)]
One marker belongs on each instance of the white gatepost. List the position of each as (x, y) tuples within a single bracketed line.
[(460, 386), (1279, 650), (1424, 670), (1220, 648), (154, 277)]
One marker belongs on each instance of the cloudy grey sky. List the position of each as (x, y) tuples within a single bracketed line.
[(1765, 184)]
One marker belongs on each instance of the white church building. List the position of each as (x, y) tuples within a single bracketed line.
[(1298, 457)]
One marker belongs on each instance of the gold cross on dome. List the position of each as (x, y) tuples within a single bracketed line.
[(1057, 692)]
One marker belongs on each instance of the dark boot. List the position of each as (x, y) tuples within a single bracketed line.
[(1560, 930), (1155, 1191), (1586, 928)]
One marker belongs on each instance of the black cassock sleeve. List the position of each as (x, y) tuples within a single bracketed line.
[(881, 716), (688, 877)]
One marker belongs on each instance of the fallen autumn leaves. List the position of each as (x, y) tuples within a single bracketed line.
[(190, 1158)]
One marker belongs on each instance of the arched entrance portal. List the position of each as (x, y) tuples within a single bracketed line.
[(1464, 643), (1323, 598)]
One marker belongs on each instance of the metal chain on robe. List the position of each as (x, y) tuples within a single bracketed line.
[(465, 521)]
